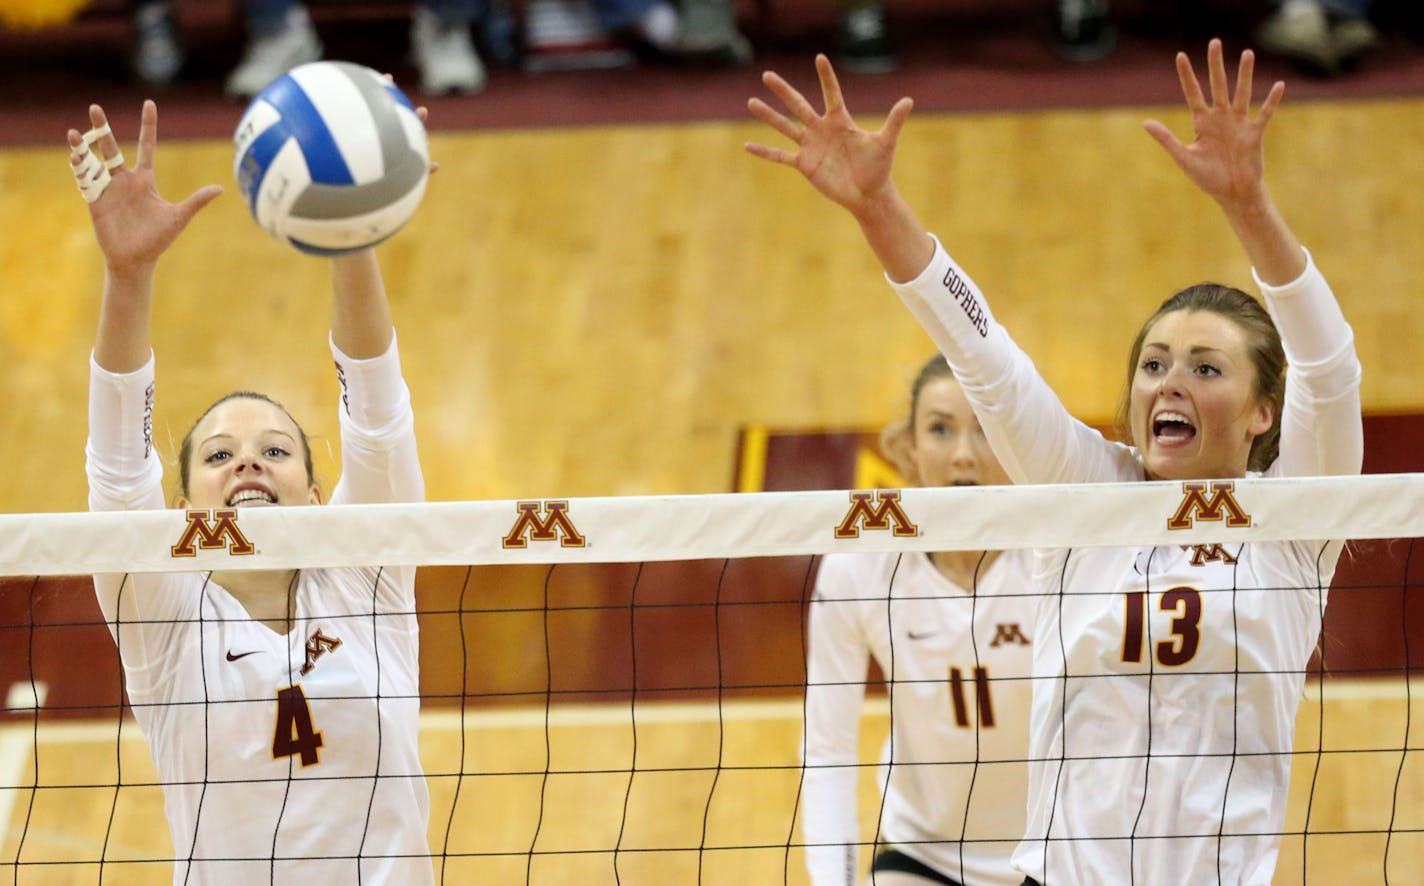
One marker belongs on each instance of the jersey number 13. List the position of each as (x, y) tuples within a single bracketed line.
[(1181, 647)]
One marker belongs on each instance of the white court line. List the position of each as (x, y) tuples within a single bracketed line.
[(1355, 689), (15, 754), (615, 714), (442, 720)]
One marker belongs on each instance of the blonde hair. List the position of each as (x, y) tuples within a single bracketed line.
[(897, 440)]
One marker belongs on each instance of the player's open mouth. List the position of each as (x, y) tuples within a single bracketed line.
[(1172, 428), (252, 495)]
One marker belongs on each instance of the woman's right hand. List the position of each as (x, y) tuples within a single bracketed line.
[(848, 165), (132, 222)]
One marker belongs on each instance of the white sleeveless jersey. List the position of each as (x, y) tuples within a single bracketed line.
[(1166, 680), (953, 769), (276, 760)]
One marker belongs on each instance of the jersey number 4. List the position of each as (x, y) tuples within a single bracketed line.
[(1185, 603), (295, 733)]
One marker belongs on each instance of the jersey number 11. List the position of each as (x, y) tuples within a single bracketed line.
[(981, 697)]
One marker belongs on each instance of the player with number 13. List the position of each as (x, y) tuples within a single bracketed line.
[(1166, 679)]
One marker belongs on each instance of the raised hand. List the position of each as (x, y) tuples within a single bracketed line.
[(844, 162), (1225, 158), (132, 222)]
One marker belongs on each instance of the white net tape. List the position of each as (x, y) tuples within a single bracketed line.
[(642, 528)]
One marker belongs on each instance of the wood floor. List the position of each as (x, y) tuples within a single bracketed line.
[(675, 793), (597, 312)]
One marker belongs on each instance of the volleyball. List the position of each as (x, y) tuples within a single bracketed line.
[(331, 158)]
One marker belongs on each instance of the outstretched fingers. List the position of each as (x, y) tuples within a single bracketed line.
[(108, 145), (1216, 71), (1245, 78), (895, 120), (1191, 87), (1222, 95), (147, 134), (1245, 73), (1273, 98), (195, 203), (830, 85), (771, 117), (1167, 139), (94, 155), (766, 152), (795, 102)]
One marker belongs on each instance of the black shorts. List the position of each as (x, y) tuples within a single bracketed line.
[(1030, 881), (899, 862)]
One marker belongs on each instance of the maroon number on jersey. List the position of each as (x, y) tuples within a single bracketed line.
[(294, 733)]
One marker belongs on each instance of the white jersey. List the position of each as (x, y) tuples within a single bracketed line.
[(1168, 678), (958, 664), (277, 762)]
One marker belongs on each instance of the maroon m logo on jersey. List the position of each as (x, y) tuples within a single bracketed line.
[(318, 645), (1204, 554), (1008, 633)]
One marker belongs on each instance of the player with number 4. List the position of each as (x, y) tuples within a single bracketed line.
[(1166, 679), (281, 708)]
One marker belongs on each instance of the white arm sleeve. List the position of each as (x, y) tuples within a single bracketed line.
[(1031, 432), (379, 462), (1321, 430), (838, 654), (125, 474), (123, 470)]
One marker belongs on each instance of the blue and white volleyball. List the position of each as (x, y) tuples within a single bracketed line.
[(331, 158)]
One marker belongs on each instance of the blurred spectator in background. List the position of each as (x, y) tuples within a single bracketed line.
[(709, 31), (158, 52), (281, 36), (1082, 32), (566, 35), (1085, 33), (862, 38), (1323, 36)]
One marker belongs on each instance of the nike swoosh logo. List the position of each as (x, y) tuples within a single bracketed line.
[(231, 657), (911, 634)]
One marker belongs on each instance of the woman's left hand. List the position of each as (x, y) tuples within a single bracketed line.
[(1225, 158)]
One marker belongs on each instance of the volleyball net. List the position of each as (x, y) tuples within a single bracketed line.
[(612, 689)]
